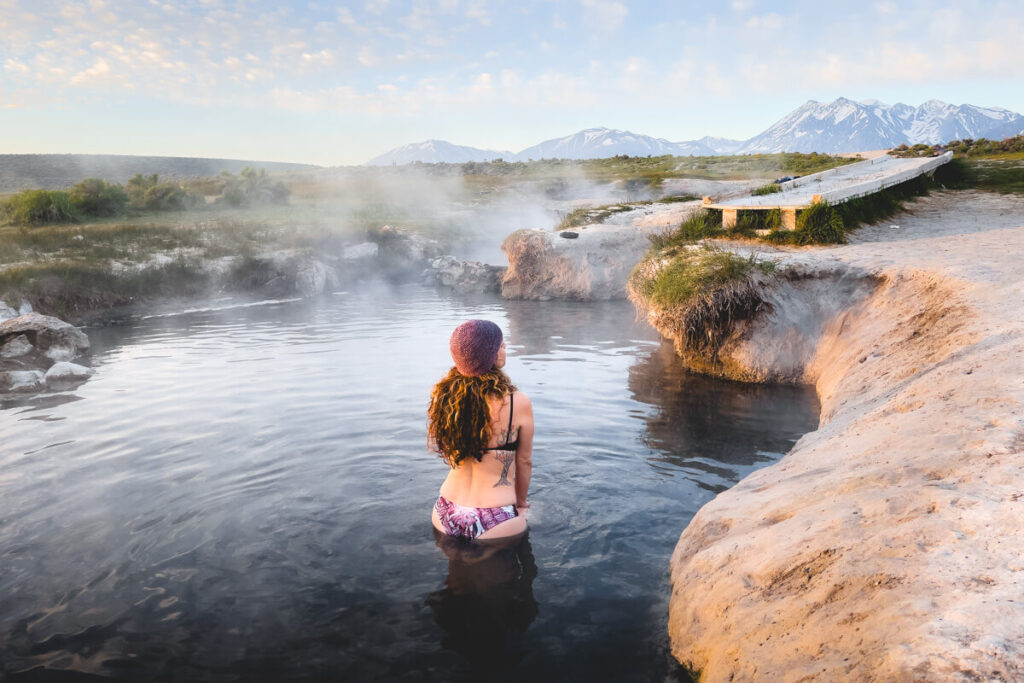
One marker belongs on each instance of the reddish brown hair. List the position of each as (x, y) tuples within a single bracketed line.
[(458, 418)]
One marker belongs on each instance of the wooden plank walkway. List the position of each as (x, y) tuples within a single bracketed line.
[(834, 186)]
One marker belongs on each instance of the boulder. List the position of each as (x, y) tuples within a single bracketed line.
[(60, 352), (463, 276), (64, 372), (6, 312), (313, 278), (358, 252), (594, 264), (22, 380), (16, 347), (400, 252), (44, 332)]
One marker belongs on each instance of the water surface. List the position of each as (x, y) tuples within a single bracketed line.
[(243, 493)]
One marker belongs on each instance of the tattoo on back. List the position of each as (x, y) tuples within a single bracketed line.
[(506, 458)]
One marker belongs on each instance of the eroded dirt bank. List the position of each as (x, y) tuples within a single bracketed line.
[(886, 544)]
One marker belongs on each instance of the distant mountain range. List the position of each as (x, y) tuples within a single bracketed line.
[(436, 149), (848, 126), (835, 127)]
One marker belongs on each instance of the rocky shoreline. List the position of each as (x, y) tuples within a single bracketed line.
[(36, 350), (36, 353), (885, 545)]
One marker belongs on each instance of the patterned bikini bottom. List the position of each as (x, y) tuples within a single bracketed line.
[(467, 522)]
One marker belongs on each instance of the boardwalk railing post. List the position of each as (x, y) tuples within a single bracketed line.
[(789, 219)]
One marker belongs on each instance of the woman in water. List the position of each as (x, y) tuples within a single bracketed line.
[(483, 429)]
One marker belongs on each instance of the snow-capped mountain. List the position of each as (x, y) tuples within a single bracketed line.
[(436, 151), (848, 126), (592, 143), (720, 145), (599, 143), (839, 126)]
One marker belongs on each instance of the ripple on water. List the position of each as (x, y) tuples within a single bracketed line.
[(245, 489)]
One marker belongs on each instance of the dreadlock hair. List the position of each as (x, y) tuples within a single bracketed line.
[(458, 418)]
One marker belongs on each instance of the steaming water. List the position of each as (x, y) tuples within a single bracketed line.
[(242, 493)]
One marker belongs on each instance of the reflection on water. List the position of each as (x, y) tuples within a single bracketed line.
[(244, 494), (487, 601), (698, 426)]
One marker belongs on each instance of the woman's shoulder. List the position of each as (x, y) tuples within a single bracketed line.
[(521, 400)]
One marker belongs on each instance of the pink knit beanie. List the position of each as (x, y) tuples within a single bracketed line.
[(474, 346)]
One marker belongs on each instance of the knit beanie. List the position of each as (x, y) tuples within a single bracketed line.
[(474, 346)]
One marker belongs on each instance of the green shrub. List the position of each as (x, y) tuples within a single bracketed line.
[(819, 223), (252, 187), (701, 224), (748, 222), (136, 188), (146, 192), (97, 197), (40, 207), (770, 188), (918, 150), (166, 197), (956, 174)]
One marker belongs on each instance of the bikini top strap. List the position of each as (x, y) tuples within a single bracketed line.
[(511, 409)]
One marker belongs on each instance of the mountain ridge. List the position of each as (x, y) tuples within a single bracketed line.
[(842, 125)]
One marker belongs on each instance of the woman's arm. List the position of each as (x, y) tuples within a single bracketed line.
[(524, 454)]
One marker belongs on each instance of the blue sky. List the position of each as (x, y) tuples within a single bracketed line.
[(338, 83)]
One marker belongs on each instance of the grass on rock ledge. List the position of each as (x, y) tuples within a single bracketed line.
[(699, 292)]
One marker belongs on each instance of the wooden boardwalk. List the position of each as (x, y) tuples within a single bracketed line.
[(834, 186)]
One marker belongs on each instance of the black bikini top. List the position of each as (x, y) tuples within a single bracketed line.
[(508, 445)]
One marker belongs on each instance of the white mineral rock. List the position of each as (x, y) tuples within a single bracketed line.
[(22, 380), (6, 312), (16, 347), (67, 372)]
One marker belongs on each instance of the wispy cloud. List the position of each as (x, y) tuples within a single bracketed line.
[(479, 58)]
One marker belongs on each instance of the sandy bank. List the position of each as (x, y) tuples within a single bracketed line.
[(887, 544)]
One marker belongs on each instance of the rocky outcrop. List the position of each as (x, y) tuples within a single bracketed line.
[(397, 254), (590, 263), (314, 277), (464, 277), (885, 545), (45, 333), (32, 345), (404, 254)]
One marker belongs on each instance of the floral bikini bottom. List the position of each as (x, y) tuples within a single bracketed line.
[(467, 522)]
